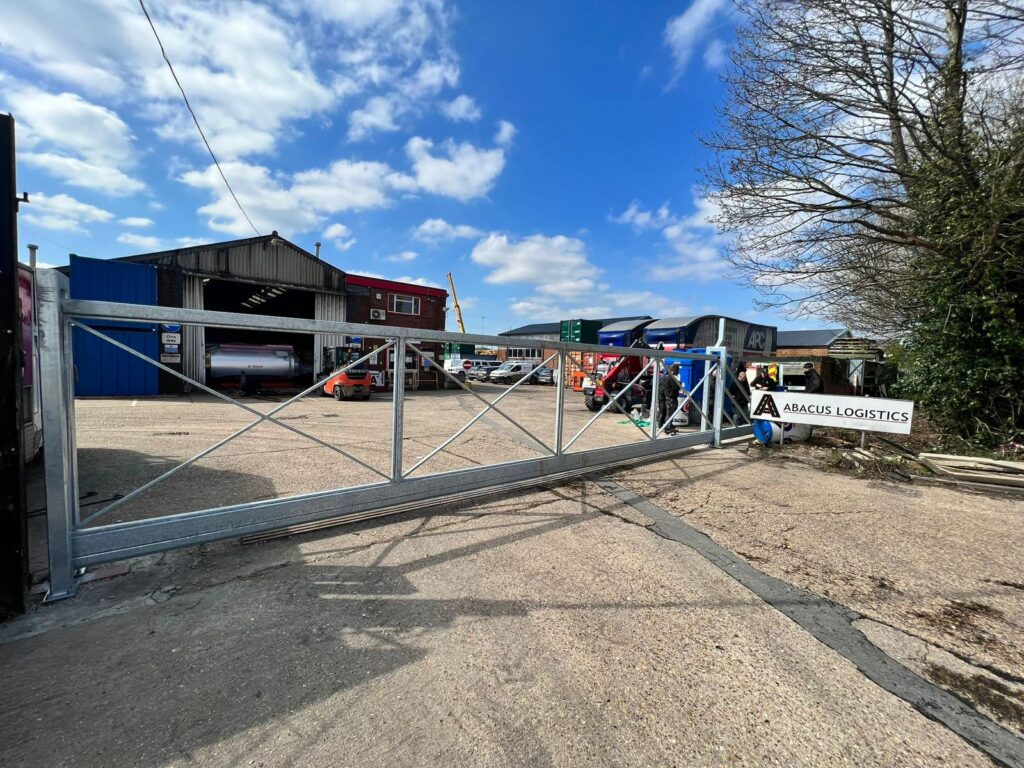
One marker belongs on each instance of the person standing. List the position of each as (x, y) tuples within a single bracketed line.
[(813, 385), (668, 397)]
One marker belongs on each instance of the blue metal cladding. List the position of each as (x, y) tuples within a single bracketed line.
[(102, 369)]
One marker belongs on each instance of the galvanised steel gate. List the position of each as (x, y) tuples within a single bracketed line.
[(75, 542)]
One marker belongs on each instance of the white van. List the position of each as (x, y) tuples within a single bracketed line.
[(511, 371)]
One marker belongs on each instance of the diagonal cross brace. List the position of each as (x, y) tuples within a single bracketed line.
[(619, 405), (262, 417), (490, 406), (472, 421), (614, 399)]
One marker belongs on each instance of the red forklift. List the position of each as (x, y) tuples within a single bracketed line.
[(355, 383)]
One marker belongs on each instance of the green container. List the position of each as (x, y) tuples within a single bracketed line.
[(453, 350), (579, 331)]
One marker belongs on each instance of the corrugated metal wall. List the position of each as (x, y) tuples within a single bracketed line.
[(327, 306), (193, 347), (257, 260), (102, 368)]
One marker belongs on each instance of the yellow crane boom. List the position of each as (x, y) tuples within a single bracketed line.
[(455, 303)]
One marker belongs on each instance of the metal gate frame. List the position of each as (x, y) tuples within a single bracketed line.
[(73, 546)]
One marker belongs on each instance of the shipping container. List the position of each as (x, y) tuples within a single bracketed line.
[(101, 368), (580, 331)]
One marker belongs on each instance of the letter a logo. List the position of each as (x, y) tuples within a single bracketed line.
[(767, 404)]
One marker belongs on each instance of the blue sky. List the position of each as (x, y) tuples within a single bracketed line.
[(545, 153)]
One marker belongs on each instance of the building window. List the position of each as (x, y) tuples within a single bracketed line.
[(524, 353), (404, 305)]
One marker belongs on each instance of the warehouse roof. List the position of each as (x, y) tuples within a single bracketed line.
[(266, 259), (817, 338), (625, 324), (671, 322), (556, 327)]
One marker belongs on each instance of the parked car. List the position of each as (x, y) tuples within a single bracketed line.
[(481, 369), (543, 375), (511, 371), (454, 367)]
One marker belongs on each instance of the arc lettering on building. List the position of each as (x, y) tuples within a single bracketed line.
[(868, 414)]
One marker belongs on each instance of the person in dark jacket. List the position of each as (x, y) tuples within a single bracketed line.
[(739, 388), (813, 385), (668, 396), (763, 380)]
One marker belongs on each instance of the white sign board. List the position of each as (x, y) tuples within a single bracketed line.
[(170, 338), (869, 414), (164, 358)]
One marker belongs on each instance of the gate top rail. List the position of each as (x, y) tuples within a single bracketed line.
[(110, 310)]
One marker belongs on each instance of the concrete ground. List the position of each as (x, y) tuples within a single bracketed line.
[(549, 628), (123, 443)]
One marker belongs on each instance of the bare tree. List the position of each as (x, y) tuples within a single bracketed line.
[(835, 110)]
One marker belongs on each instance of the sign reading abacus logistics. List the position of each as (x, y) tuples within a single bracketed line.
[(870, 414)]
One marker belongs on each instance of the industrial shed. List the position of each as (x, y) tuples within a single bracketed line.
[(266, 275)]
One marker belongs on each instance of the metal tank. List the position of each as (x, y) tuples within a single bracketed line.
[(257, 361)]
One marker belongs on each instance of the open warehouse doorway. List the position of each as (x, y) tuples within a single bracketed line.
[(270, 360)]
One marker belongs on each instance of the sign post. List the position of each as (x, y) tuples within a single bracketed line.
[(467, 364)]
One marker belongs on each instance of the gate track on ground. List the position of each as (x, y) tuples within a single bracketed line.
[(832, 625)]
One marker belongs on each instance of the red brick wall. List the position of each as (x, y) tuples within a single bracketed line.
[(431, 317)]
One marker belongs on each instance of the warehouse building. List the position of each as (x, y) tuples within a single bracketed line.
[(265, 275)]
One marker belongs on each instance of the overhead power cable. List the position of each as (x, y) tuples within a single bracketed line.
[(196, 119)]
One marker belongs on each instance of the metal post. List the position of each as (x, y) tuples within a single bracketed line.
[(13, 525), (705, 396), (720, 386), (59, 452), (397, 408), (560, 403), (655, 405)]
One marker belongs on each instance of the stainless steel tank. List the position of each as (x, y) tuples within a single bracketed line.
[(263, 361)]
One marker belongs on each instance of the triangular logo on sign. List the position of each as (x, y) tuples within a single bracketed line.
[(767, 404)]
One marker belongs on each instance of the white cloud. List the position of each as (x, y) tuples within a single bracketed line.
[(461, 109), (63, 213), (340, 235), (403, 258), (377, 115), (696, 247), (685, 32), (465, 173), (79, 173), (136, 221), (78, 142), (506, 132), (251, 69), (140, 241), (188, 242), (716, 54), (555, 266), (641, 220), (438, 230)]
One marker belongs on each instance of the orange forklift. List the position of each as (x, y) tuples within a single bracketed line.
[(355, 383)]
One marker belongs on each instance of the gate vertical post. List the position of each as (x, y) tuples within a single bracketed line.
[(560, 401), (705, 394), (720, 385), (397, 408), (655, 394), (57, 400)]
